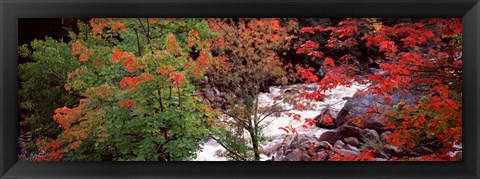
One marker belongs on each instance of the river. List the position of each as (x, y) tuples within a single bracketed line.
[(334, 99)]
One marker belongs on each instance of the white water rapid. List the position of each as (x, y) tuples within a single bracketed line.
[(334, 99)]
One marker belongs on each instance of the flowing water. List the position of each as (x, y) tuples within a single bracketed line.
[(334, 100)]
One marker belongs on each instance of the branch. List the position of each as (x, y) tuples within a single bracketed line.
[(265, 116), (230, 151), (145, 30), (240, 121), (138, 44)]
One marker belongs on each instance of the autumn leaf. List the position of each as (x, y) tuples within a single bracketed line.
[(327, 119)]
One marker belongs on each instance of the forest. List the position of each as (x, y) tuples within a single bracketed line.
[(243, 89)]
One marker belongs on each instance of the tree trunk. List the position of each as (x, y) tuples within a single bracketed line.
[(255, 144)]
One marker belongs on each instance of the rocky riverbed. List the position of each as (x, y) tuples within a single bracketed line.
[(320, 141), (335, 100)]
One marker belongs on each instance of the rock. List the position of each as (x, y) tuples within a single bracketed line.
[(302, 141), (343, 132), (412, 154), (382, 154), (217, 93), (291, 91), (322, 123), (422, 150), (352, 148), (324, 145), (218, 99), (305, 158), (307, 144), (352, 141), (217, 105), (392, 151), (292, 146), (357, 105), (339, 144), (383, 135), (311, 87), (320, 156), (340, 133), (380, 159), (209, 94), (375, 125), (369, 135), (346, 152), (294, 155)]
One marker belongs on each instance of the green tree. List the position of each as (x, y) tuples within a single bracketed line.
[(136, 80), (42, 86)]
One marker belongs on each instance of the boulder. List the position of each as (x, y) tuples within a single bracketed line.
[(352, 141), (357, 105), (375, 125), (324, 145), (352, 148), (292, 146), (339, 144), (303, 141), (369, 135), (343, 132), (293, 155), (322, 123)]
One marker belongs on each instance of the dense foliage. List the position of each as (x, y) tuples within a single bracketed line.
[(135, 81), (141, 89), (413, 56), (251, 45)]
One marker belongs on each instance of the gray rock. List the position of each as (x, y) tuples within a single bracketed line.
[(322, 123), (216, 91), (381, 159), (346, 152), (340, 133), (375, 125), (391, 150), (343, 132), (352, 148), (219, 99), (324, 145), (294, 155), (383, 135), (339, 144), (369, 134), (352, 141), (357, 105), (302, 141), (382, 154), (209, 94), (292, 146)]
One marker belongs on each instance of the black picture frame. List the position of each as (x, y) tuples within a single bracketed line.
[(11, 10)]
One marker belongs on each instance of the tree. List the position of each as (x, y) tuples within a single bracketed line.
[(252, 47), (422, 55), (41, 89), (136, 80)]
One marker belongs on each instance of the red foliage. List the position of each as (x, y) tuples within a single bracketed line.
[(411, 56), (127, 59)]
